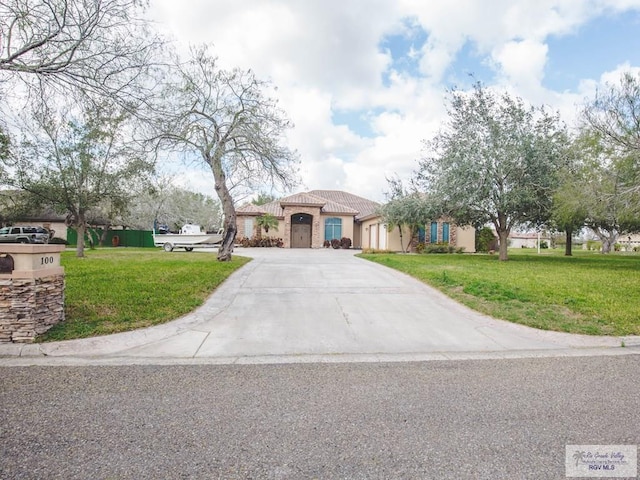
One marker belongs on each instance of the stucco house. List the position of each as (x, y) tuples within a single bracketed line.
[(307, 219), (527, 239)]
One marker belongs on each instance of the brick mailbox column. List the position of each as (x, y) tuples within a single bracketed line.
[(31, 290)]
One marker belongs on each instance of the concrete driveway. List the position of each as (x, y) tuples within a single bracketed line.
[(326, 305)]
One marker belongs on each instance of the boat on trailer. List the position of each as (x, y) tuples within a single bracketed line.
[(190, 237)]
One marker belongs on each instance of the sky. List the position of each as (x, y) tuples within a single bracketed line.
[(365, 82)]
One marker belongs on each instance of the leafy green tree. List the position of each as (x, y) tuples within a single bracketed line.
[(611, 208), (569, 213), (78, 162), (405, 210), (615, 115), (494, 162), (595, 192), (263, 198)]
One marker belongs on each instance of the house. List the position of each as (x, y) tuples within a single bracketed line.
[(308, 219), (629, 242), (527, 239)]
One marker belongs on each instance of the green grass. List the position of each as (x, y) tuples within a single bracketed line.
[(114, 290), (588, 293)]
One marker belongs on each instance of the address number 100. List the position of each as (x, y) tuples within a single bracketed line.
[(46, 260)]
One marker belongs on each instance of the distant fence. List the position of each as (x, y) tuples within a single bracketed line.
[(120, 238)]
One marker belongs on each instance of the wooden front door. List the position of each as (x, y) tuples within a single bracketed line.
[(300, 236)]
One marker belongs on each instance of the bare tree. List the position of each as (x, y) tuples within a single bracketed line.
[(226, 120), (102, 47)]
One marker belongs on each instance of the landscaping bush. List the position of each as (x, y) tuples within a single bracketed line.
[(335, 243), (441, 247), (594, 245), (345, 242), (260, 242), (326, 244), (486, 240)]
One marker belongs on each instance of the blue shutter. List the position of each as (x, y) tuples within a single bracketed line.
[(445, 232), (434, 232)]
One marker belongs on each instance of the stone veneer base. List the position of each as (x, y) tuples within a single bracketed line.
[(29, 306)]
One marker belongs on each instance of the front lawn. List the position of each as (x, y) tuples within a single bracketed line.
[(118, 289), (588, 293)]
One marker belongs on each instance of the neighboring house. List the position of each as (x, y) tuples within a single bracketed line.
[(527, 239), (626, 242), (307, 219), (629, 242)]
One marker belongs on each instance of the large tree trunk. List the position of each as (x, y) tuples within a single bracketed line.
[(81, 229), (230, 230), (228, 209), (567, 248), (401, 240), (608, 239), (503, 236)]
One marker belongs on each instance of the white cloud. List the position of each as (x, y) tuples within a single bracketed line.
[(522, 62), (325, 56)]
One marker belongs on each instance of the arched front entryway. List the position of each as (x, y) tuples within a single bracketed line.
[(301, 230)]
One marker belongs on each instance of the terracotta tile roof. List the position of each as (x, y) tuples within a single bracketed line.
[(272, 208), (303, 199), (250, 209), (331, 201), (362, 206)]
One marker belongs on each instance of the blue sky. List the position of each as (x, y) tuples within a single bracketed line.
[(600, 45), (365, 81)]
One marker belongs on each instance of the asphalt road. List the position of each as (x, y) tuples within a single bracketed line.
[(487, 419)]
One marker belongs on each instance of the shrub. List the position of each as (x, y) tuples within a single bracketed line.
[(256, 241), (544, 244), (617, 247), (326, 244), (439, 248), (594, 245), (345, 242), (335, 243), (486, 240)]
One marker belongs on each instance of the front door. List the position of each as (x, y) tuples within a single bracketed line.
[(301, 230), (300, 236)]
